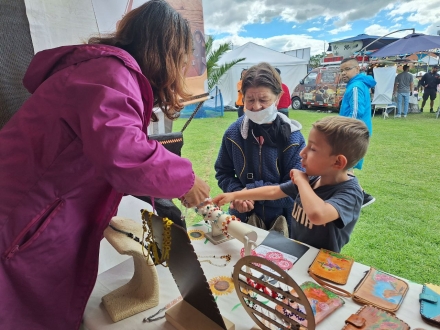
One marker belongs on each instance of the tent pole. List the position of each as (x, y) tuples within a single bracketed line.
[(364, 48)]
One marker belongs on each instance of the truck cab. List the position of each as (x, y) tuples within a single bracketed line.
[(321, 88)]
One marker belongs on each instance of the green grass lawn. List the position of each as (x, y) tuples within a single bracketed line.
[(400, 232)]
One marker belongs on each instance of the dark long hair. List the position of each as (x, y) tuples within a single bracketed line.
[(160, 40)]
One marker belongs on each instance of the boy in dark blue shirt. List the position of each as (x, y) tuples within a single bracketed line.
[(327, 199)]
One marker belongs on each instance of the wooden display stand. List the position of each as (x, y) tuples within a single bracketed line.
[(183, 316), (142, 291), (245, 269)]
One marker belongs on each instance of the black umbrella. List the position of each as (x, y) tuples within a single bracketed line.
[(412, 43)]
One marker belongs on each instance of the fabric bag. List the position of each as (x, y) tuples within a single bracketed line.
[(173, 141), (381, 290), (370, 317), (322, 301), (331, 266), (430, 304)]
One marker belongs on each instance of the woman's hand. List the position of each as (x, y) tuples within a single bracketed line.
[(197, 194)]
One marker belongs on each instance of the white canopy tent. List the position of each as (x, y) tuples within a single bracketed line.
[(430, 60), (293, 69)]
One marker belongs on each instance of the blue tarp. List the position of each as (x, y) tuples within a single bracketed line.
[(211, 108)]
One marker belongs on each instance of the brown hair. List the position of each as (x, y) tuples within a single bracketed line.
[(160, 41), (262, 75), (346, 136)]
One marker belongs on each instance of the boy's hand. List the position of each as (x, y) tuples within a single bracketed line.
[(222, 199), (296, 176)]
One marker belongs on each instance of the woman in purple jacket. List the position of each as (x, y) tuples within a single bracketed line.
[(71, 152)]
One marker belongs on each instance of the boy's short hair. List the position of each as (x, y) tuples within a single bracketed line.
[(349, 59), (346, 136)]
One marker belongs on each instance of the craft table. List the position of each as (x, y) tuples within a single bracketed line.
[(96, 317)]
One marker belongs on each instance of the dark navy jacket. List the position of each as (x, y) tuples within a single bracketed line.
[(231, 168)]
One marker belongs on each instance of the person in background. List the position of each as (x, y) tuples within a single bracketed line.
[(327, 199), (74, 148), (259, 149), (284, 103), (356, 103), (403, 87), (429, 81), (239, 102)]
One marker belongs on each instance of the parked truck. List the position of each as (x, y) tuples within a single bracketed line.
[(321, 88)]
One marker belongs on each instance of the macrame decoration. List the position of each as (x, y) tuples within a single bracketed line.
[(262, 290)]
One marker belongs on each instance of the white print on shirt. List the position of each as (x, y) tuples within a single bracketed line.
[(300, 216)]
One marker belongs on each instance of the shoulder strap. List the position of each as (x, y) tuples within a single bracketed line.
[(192, 116), (339, 291)]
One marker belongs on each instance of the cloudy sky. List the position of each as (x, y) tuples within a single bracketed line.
[(292, 24)]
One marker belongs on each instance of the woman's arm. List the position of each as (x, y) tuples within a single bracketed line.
[(106, 111), (225, 171)]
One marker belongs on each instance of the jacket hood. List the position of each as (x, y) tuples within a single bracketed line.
[(294, 125), (366, 79), (48, 62)]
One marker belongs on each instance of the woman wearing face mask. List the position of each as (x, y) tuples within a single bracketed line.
[(260, 149)]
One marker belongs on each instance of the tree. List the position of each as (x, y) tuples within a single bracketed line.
[(315, 60), (215, 72)]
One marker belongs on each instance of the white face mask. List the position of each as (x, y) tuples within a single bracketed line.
[(264, 116)]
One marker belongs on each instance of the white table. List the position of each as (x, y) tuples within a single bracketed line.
[(96, 317)]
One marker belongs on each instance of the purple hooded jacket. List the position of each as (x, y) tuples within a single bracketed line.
[(66, 159)]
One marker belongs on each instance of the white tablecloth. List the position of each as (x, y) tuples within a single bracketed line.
[(96, 317)]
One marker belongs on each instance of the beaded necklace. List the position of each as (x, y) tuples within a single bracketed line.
[(227, 257), (149, 245), (128, 234)]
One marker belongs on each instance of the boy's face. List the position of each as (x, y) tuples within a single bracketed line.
[(316, 156), (349, 69)]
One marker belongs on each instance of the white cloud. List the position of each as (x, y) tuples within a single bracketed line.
[(379, 30), (280, 43), (420, 11), (346, 27), (231, 17)]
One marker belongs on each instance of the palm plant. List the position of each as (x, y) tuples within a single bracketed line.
[(215, 72)]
